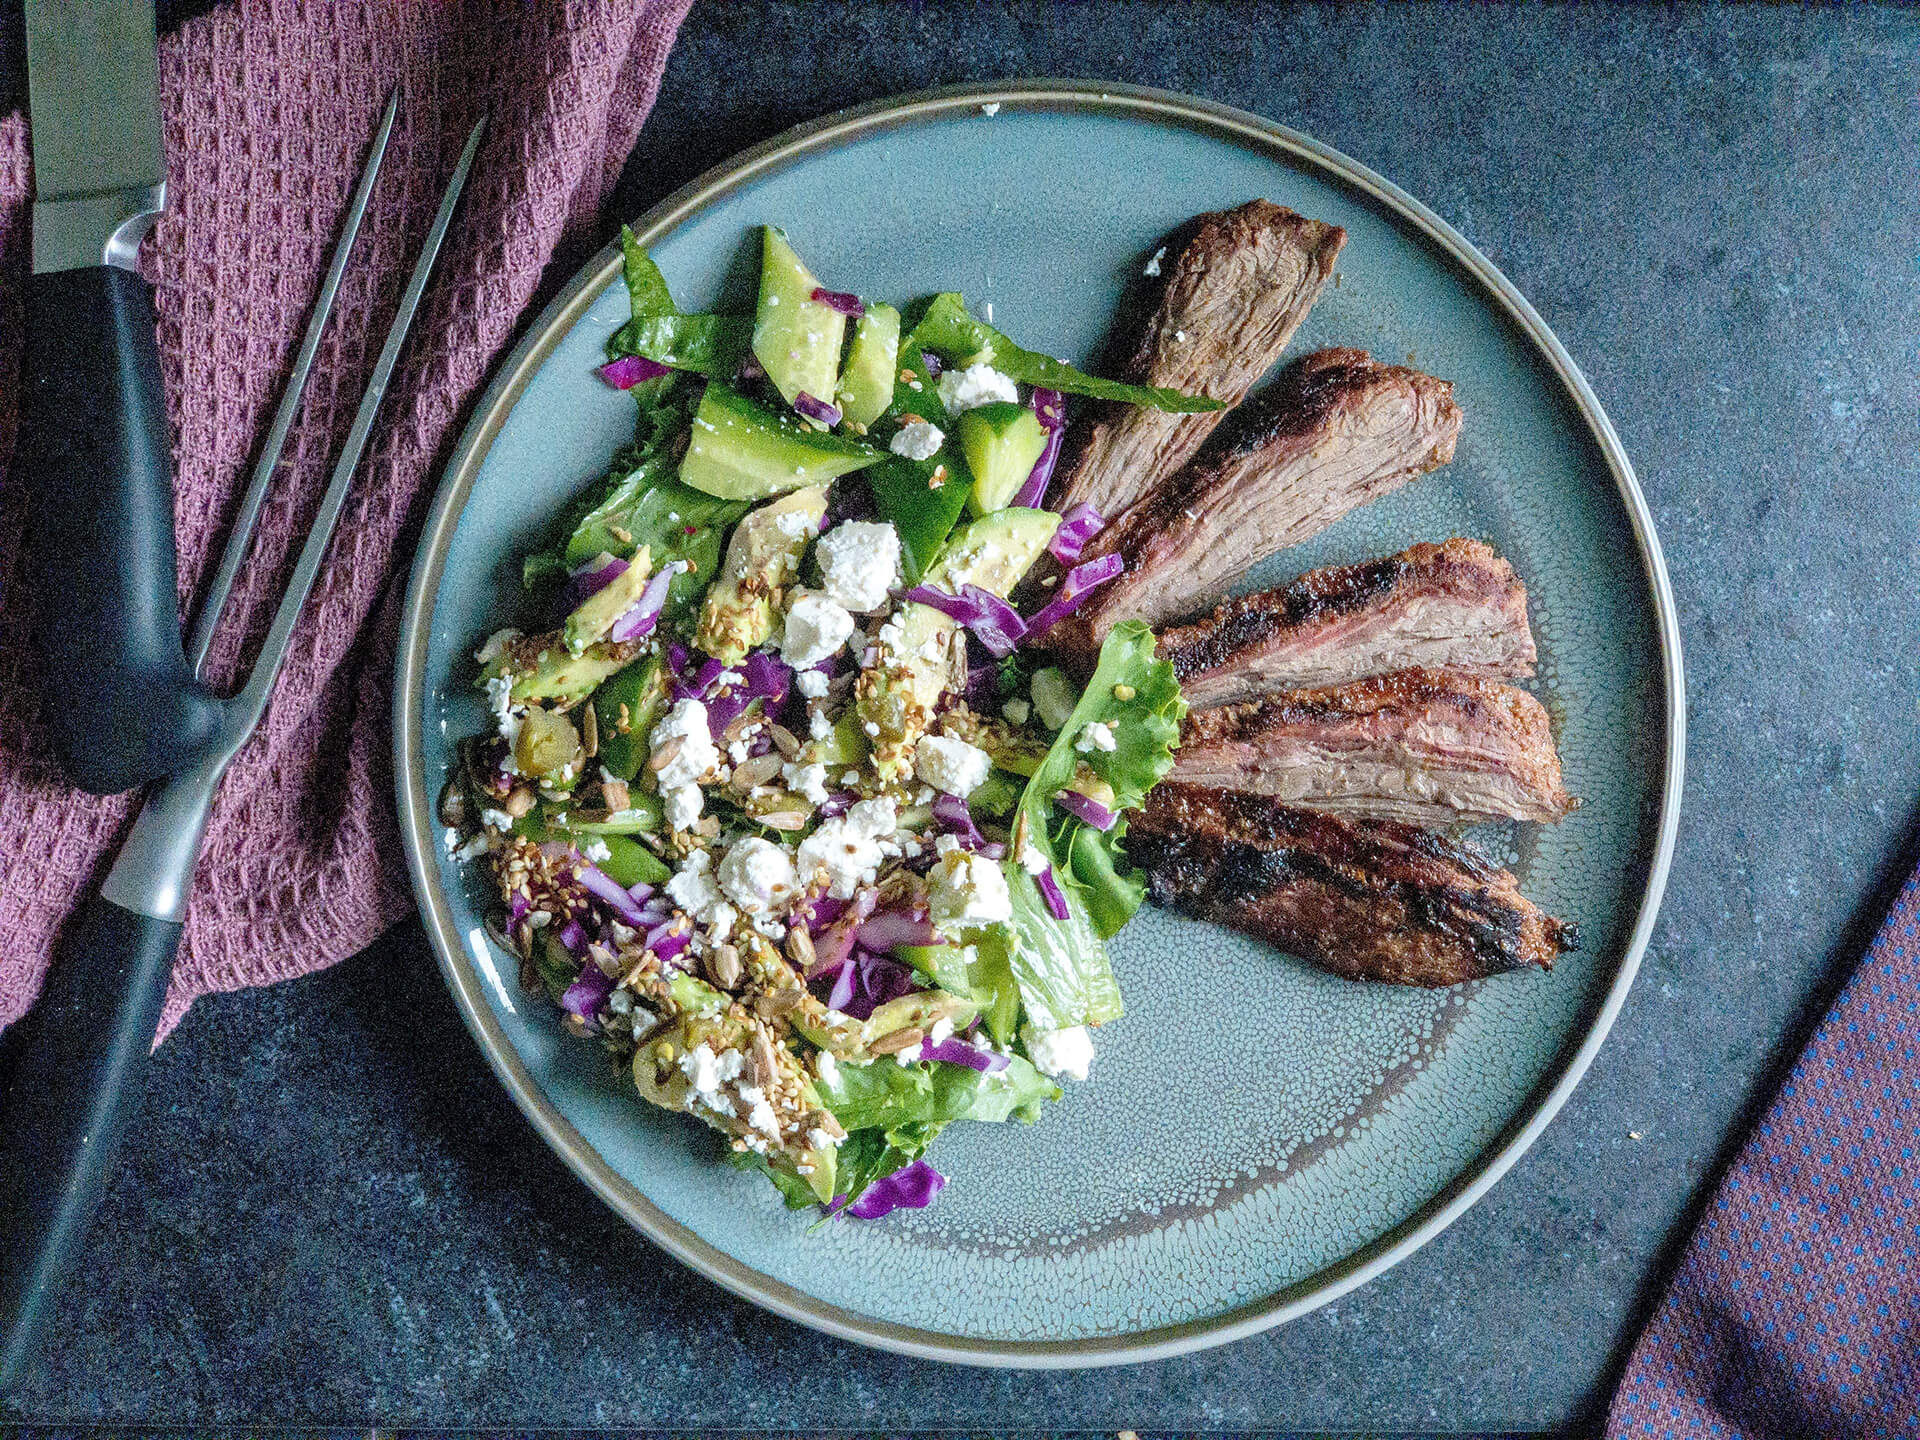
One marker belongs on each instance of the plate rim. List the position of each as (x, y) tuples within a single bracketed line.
[(418, 822)]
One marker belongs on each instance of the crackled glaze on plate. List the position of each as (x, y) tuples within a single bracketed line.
[(1257, 1137)]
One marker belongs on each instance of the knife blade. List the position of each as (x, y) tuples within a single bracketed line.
[(122, 706), (93, 92)]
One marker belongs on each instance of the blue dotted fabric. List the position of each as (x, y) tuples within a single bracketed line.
[(1796, 1311)]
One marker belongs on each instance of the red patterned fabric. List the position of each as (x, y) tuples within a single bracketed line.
[(269, 107), (1796, 1311)]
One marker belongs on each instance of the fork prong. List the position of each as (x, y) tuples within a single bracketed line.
[(251, 702), (235, 553)]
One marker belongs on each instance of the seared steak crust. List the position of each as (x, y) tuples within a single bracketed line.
[(1336, 430), (1235, 285), (1423, 747), (1456, 605), (1362, 899)]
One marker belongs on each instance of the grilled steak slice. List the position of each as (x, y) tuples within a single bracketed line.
[(1424, 747), (1362, 899), (1456, 605), (1234, 287), (1336, 430)]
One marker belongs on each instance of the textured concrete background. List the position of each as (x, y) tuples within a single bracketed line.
[(331, 1214)]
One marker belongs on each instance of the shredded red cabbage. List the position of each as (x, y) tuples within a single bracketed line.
[(868, 981), (959, 1052), (826, 414), (573, 937), (588, 993), (1050, 891), (911, 1187), (893, 928), (995, 623), (629, 370), (608, 891), (952, 812), (1051, 408), (837, 803), (595, 575), (644, 613), (933, 363), (1077, 526), (640, 892), (1077, 584), (1086, 808), (848, 305)]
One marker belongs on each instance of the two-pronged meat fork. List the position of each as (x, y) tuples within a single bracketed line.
[(85, 1047)]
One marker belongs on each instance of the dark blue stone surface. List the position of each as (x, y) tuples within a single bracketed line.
[(331, 1215)]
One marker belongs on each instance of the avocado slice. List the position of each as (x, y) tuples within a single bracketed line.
[(866, 383), (740, 450), (593, 617), (561, 675), (995, 551), (1001, 442), (922, 652), (762, 556), (796, 339)]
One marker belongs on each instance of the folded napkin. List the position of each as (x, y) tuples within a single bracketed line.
[(269, 106), (1796, 1310)]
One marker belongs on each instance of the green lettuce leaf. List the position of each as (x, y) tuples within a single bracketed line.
[(1061, 966), (885, 1094), (1090, 866), (951, 333), (712, 345)]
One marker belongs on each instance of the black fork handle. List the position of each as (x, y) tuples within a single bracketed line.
[(80, 1074), (122, 706)]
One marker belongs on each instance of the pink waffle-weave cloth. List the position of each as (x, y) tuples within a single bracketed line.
[(1795, 1312), (269, 106)]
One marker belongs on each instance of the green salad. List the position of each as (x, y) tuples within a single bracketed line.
[(786, 802)]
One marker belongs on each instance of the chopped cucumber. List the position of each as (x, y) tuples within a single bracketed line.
[(1001, 442), (795, 338), (739, 450), (866, 384), (624, 711)]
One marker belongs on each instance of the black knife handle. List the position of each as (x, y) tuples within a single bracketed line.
[(80, 1073), (123, 708)]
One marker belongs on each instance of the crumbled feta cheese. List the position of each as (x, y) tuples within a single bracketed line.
[(1181, 336), (683, 806), (707, 1070), (1054, 696), (847, 848), (965, 889), (1060, 1052), (950, 764), (1016, 710), (818, 726), (917, 440), (496, 819), (910, 1055), (807, 781), (495, 645), (687, 723), (596, 850), (694, 891), (817, 626), (818, 1139), (812, 684), (826, 1067), (850, 777), (474, 848), (1098, 735), (757, 875), (944, 842), (859, 563), (979, 384), (941, 1032), (620, 1002), (760, 1114), (1032, 859), (506, 714), (1153, 265)]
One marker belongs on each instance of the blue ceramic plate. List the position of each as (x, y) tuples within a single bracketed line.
[(1257, 1137)]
